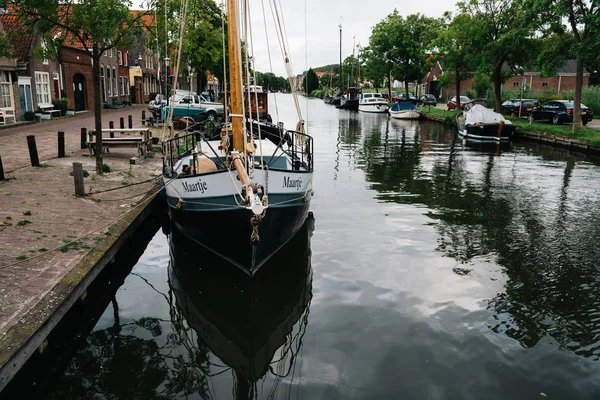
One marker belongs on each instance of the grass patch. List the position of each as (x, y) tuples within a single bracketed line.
[(105, 168), (74, 246), (38, 232), (84, 172), (589, 134), (44, 166), (43, 250), (449, 116), (23, 222), (27, 213), (22, 257), (9, 217)]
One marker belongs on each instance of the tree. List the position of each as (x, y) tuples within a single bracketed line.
[(96, 25), (326, 80), (455, 44), (373, 67), (503, 37), (403, 43), (583, 18), (310, 82)]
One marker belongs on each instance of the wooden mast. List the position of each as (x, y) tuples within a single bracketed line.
[(235, 75)]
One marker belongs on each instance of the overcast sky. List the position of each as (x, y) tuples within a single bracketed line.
[(320, 40), (322, 28)]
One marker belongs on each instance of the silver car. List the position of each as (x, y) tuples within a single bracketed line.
[(193, 100)]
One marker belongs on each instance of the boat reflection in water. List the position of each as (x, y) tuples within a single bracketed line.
[(252, 325)]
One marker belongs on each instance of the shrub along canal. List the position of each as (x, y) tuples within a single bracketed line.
[(440, 269)]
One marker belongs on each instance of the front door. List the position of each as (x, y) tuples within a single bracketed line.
[(79, 92), (25, 98)]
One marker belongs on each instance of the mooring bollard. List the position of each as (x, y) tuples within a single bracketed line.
[(83, 137), (61, 144), (1, 171), (78, 176), (122, 124), (130, 121), (33, 155), (111, 125), (143, 117)]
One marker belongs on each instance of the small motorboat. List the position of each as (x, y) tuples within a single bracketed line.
[(479, 122), (404, 110), (372, 103)]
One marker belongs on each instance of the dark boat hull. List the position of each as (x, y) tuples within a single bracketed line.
[(243, 321), (485, 131), (230, 231), (351, 105), (335, 101)]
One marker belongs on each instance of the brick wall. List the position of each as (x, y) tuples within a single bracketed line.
[(78, 62)]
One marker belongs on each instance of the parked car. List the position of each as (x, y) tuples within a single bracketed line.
[(411, 97), (508, 106), (452, 102), (189, 103), (386, 96), (559, 111), (526, 105), (428, 100)]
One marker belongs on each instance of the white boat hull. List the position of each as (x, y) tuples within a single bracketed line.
[(377, 108), (405, 114)]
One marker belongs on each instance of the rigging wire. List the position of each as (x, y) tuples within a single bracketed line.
[(269, 53), (181, 29), (224, 63), (288, 64), (262, 161)]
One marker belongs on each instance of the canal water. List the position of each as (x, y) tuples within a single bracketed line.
[(431, 269)]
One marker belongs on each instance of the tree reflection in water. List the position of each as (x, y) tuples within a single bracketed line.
[(222, 325), (545, 241)]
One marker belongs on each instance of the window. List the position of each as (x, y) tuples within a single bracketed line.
[(122, 84), (108, 82), (45, 52), (109, 53), (125, 58), (515, 84), (5, 89), (127, 85), (102, 83), (544, 84), (42, 88), (120, 57), (115, 88)]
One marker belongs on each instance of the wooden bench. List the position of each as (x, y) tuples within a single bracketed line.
[(7, 113), (50, 109), (142, 143)]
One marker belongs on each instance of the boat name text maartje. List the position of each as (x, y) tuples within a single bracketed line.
[(292, 183), (200, 186)]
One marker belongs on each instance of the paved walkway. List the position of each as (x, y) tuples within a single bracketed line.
[(40, 216)]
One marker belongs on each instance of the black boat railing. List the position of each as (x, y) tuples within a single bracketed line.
[(297, 146)]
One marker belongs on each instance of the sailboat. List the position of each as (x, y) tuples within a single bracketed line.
[(254, 325), (241, 189)]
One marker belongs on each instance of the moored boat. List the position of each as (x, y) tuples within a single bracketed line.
[(372, 103), (349, 101), (244, 322), (404, 110), (479, 122), (242, 189)]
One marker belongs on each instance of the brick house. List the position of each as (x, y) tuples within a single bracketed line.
[(563, 80), (79, 86), (37, 82), (8, 79)]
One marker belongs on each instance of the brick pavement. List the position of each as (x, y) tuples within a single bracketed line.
[(39, 212)]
